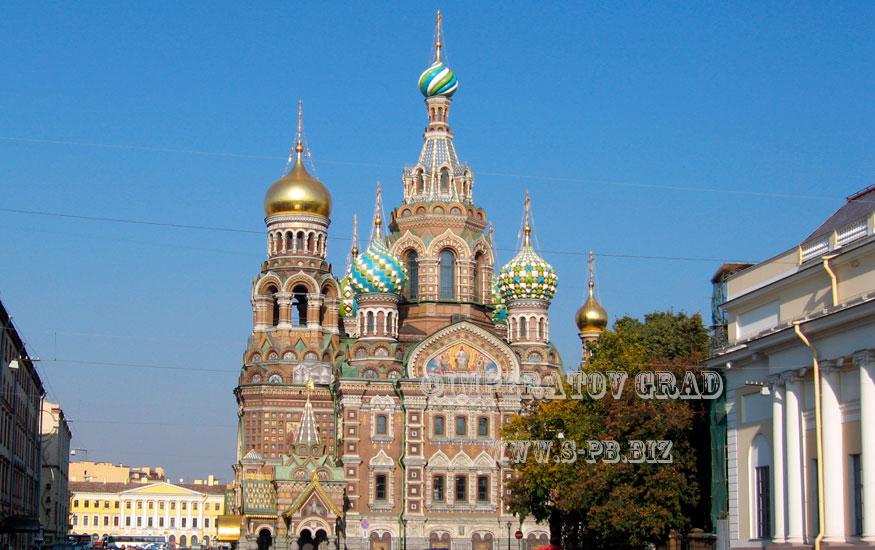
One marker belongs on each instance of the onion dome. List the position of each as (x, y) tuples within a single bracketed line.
[(591, 317), (377, 270), (438, 79), (348, 305), (499, 308), (527, 276), (298, 192)]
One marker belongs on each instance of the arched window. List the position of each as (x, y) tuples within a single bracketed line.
[(299, 245), (275, 318), (448, 275), (412, 275), (445, 181), (420, 186), (479, 295), (370, 322), (299, 305), (523, 332)]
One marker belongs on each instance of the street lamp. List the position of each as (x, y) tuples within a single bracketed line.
[(73, 452), (404, 522), (508, 535)]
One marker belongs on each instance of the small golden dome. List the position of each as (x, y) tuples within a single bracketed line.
[(298, 192), (591, 317)]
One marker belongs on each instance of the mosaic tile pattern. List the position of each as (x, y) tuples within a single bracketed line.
[(377, 270), (527, 276)]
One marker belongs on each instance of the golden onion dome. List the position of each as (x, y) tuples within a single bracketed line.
[(591, 317), (298, 192)]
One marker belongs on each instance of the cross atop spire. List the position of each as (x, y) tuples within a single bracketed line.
[(299, 146), (378, 214), (527, 229), (591, 268), (355, 236), (437, 41)]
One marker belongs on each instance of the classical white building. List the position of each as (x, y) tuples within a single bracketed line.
[(799, 361)]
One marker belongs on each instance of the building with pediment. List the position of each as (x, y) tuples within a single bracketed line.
[(187, 514), (370, 405)]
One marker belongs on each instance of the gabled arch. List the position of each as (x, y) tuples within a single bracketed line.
[(406, 242), (263, 283), (301, 278), (381, 459), (450, 240), (483, 460), (481, 245), (330, 287), (462, 460), (439, 460)]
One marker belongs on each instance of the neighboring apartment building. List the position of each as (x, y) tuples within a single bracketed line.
[(186, 513), (21, 392), (54, 477), (799, 362), (107, 472)]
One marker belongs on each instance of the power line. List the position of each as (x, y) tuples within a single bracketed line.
[(391, 165), (134, 365), (345, 239)]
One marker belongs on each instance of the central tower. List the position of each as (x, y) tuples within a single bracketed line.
[(438, 232)]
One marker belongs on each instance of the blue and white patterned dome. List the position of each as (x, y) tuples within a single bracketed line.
[(377, 270), (527, 276), (499, 308), (348, 305)]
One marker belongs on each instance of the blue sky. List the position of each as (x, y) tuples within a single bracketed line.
[(666, 137)]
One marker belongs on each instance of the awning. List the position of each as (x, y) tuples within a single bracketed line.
[(229, 528), (19, 524)]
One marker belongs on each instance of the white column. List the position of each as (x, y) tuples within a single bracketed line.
[(795, 483), (833, 457), (779, 534), (866, 363)]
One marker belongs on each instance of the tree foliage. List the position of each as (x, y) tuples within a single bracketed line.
[(598, 504)]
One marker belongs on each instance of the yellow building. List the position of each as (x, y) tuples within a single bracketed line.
[(186, 513), (107, 472)]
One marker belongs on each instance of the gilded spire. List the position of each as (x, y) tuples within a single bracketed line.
[(355, 236), (527, 229), (591, 268), (591, 317), (298, 191), (437, 41), (378, 218), (299, 146)]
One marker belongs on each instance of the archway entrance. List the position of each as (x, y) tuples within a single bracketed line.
[(308, 542), (264, 539), (379, 542)]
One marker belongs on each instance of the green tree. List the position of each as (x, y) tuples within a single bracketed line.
[(594, 503)]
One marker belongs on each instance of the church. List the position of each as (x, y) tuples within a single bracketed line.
[(370, 404)]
